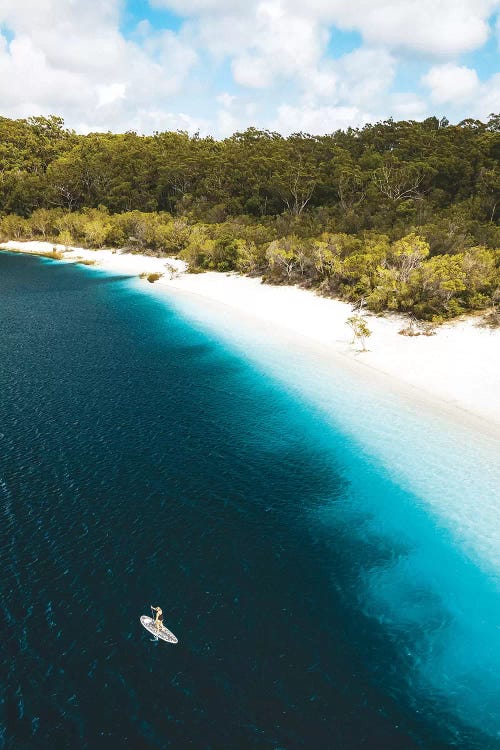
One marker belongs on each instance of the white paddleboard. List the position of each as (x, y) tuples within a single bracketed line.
[(164, 633)]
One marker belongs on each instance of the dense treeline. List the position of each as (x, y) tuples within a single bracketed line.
[(403, 215)]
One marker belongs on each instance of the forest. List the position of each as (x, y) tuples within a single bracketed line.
[(398, 216)]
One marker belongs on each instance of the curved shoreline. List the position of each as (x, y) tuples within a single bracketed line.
[(456, 371)]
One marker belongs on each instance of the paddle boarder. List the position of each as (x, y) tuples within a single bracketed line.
[(158, 617)]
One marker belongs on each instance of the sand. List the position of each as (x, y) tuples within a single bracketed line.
[(459, 366)]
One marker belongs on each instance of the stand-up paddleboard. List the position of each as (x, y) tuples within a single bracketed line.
[(164, 633)]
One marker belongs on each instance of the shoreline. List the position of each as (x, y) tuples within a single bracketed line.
[(456, 371)]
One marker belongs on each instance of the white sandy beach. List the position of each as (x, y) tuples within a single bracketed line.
[(459, 365)]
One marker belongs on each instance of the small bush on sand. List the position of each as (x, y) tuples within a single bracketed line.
[(360, 330), (151, 277), (491, 319)]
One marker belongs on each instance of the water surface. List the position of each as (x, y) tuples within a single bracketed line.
[(321, 595)]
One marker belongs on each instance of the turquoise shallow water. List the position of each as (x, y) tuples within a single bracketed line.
[(440, 517), (326, 556)]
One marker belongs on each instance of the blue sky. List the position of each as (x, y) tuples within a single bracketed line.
[(217, 66), (136, 11)]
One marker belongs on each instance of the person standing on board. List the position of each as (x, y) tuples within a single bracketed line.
[(158, 617)]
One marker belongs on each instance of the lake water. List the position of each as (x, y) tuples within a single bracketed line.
[(327, 557)]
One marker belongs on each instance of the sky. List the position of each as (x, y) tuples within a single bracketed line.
[(220, 66)]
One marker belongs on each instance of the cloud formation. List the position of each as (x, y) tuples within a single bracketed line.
[(71, 58), (437, 27), (451, 83), (229, 64)]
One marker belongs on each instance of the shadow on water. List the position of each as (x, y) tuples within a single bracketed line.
[(143, 464)]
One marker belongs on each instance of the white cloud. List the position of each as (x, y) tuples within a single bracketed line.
[(227, 123), (252, 71), (461, 90), (278, 44), (489, 98), (366, 75), (408, 106), (436, 27), (69, 57), (451, 83), (321, 82), (317, 120), (111, 93), (321, 118), (226, 99), (195, 7), (274, 42), (27, 80)]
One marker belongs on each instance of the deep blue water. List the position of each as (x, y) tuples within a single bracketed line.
[(143, 461)]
